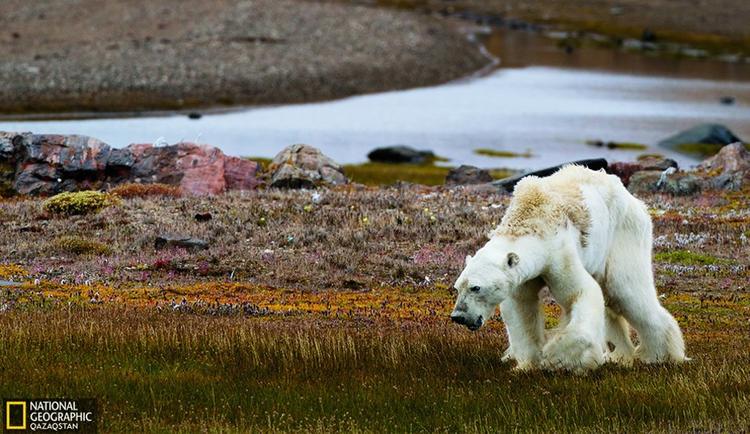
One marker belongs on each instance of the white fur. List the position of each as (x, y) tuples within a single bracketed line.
[(603, 280)]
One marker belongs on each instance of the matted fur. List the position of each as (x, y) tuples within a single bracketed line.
[(542, 205)]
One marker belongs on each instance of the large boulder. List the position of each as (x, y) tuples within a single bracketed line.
[(49, 164), (704, 134), (731, 158), (400, 154), (728, 169), (304, 166), (466, 175)]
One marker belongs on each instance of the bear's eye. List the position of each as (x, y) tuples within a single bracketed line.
[(475, 289)]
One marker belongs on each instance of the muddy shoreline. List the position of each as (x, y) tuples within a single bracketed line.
[(176, 55)]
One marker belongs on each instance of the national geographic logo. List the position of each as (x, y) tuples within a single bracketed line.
[(49, 415)]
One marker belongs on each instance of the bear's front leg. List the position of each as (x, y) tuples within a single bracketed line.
[(580, 345), (524, 323)]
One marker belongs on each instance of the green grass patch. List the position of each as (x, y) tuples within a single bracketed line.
[(79, 203), (502, 154), (702, 150), (80, 246), (649, 156), (686, 257), (630, 146), (386, 174)]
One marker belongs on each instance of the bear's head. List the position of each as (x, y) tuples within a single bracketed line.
[(494, 272)]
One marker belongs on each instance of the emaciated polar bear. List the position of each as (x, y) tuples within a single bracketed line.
[(588, 239)]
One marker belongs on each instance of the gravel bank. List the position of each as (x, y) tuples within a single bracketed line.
[(61, 56), (722, 23)]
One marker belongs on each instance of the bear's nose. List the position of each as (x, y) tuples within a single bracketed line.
[(458, 319)]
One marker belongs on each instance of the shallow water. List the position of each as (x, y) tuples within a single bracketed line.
[(550, 108)]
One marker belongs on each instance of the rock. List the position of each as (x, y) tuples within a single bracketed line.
[(188, 243), (624, 170), (729, 169), (708, 134), (508, 184), (652, 181), (50, 164), (648, 36), (203, 217), (464, 175), (400, 154), (303, 166), (194, 115), (725, 181), (730, 159)]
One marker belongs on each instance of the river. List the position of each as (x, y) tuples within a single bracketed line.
[(540, 99)]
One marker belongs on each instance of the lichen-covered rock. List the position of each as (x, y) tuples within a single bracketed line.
[(304, 166), (467, 175), (50, 164), (652, 181)]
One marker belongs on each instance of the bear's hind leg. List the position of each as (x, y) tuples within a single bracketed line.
[(630, 287)]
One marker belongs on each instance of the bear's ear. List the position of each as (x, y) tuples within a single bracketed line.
[(468, 258), (512, 260)]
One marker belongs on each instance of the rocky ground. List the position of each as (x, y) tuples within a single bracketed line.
[(59, 56)]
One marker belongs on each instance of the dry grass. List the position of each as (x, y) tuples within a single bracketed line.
[(331, 314), (130, 191)]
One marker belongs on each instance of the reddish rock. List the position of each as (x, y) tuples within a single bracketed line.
[(730, 159), (49, 164)]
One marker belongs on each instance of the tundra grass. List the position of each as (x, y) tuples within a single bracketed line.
[(332, 315), (160, 371)]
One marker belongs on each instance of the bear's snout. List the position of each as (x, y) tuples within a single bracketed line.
[(462, 319)]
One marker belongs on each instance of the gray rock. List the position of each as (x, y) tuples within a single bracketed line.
[(729, 169), (652, 181), (465, 175), (725, 181), (303, 166), (183, 242), (708, 134), (400, 154)]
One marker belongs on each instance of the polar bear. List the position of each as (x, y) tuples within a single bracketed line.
[(583, 235)]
